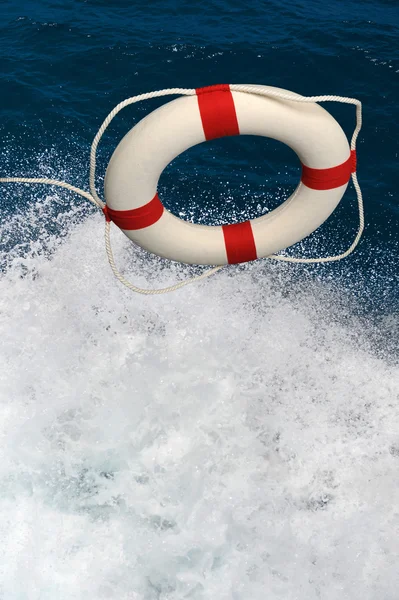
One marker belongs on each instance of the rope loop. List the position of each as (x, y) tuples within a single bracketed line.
[(93, 197)]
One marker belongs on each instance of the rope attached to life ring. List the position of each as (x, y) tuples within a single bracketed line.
[(248, 89)]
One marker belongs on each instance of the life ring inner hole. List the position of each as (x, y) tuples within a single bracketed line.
[(229, 180)]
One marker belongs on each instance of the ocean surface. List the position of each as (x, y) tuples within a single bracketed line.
[(237, 439)]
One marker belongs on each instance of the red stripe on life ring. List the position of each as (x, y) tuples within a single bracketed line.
[(137, 218), (217, 110), (328, 179), (240, 243)]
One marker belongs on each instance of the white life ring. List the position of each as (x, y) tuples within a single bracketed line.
[(216, 111)]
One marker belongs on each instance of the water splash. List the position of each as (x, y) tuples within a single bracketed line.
[(233, 440)]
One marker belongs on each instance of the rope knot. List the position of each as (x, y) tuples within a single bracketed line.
[(106, 213)]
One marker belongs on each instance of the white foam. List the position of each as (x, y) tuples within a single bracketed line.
[(234, 440)]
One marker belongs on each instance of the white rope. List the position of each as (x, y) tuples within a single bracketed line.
[(95, 199), (134, 288), (63, 184)]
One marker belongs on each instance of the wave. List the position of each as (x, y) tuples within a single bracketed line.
[(235, 438)]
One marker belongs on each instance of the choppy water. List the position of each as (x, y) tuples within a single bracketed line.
[(237, 439)]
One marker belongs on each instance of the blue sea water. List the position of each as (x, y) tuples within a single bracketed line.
[(237, 439)]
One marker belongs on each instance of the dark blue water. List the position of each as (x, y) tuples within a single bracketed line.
[(66, 64)]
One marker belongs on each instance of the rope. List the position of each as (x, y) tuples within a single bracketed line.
[(63, 184), (248, 89), (146, 292)]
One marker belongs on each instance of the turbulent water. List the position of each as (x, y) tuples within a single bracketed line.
[(235, 440)]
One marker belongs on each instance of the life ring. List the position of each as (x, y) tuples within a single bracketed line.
[(216, 111)]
